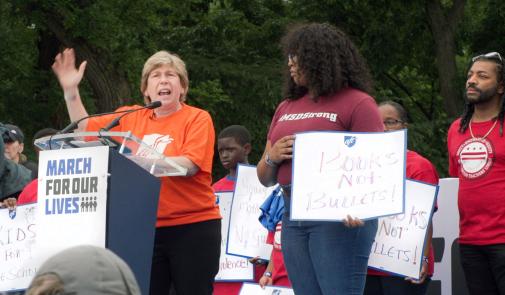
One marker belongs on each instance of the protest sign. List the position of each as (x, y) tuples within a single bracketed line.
[(246, 235), (231, 268), (17, 242), (72, 199), (336, 174), (255, 289), (400, 239)]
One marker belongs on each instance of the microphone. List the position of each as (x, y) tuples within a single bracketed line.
[(115, 122), (71, 127)]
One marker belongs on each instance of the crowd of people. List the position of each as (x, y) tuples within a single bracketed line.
[(324, 73)]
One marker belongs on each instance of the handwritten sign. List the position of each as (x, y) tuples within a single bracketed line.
[(341, 173), (400, 239), (72, 199), (231, 268), (255, 289), (17, 239), (246, 235)]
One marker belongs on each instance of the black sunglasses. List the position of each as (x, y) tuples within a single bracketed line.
[(490, 55)]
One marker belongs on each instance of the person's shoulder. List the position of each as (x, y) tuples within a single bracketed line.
[(192, 111), (414, 156), (454, 125), (224, 184), (354, 97), (420, 162), (355, 93)]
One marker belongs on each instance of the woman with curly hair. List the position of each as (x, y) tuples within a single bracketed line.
[(327, 75)]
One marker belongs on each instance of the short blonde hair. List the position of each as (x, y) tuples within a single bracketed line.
[(159, 59)]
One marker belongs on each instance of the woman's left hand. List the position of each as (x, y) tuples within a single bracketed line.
[(353, 222)]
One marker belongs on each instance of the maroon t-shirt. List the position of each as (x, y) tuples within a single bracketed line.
[(479, 163), (348, 110)]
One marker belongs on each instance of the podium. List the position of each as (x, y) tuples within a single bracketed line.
[(132, 191)]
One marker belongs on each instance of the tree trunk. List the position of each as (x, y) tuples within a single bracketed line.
[(443, 28), (110, 88)]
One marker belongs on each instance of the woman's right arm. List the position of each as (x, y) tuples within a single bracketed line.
[(267, 174), (69, 78), (280, 151)]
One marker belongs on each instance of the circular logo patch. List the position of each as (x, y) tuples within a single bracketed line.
[(476, 156)]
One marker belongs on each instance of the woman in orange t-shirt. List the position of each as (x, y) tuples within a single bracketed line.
[(188, 233)]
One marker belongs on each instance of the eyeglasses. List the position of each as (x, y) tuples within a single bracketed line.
[(391, 122), (490, 55)]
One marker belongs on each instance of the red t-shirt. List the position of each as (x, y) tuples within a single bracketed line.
[(418, 168), (480, 166), (279, 273), (188, 132), (227, 184), (347, 110)]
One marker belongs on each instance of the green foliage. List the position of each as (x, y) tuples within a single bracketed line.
[(232, 52)]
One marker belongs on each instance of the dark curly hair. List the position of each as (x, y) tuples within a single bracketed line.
[(466, 117), (328, 60)]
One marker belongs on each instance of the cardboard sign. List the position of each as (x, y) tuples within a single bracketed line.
[(255, 289), (72, 199), (336, 174), (400, 239), (246, 235), (231, 268), (17, 240)]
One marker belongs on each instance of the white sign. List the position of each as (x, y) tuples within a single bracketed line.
[(17, 239), (341, 173), (255, 289), (231, 268), (246, 235), (399, 242), (72, 199), (446, 228)]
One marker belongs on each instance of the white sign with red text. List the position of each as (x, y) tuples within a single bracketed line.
[(336, 174)]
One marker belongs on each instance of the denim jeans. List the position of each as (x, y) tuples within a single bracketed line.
[(326, 258)]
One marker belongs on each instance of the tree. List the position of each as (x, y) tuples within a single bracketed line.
[(444, 29)]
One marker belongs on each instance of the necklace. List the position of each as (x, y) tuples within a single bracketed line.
[(485, 135)]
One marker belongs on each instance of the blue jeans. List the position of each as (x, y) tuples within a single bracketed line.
[(326, 258)]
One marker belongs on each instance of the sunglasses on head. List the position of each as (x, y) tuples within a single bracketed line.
[(490, 55)]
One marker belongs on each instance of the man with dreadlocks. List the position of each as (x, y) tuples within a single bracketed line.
[(477, 157)]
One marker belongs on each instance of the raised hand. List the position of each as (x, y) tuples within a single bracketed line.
[(68, 75)]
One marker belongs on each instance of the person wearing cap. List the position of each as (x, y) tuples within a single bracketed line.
[(13, 177), (84, 270), (14, 146)]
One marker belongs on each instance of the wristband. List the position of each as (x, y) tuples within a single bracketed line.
[(267, 274), (269, 161)]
